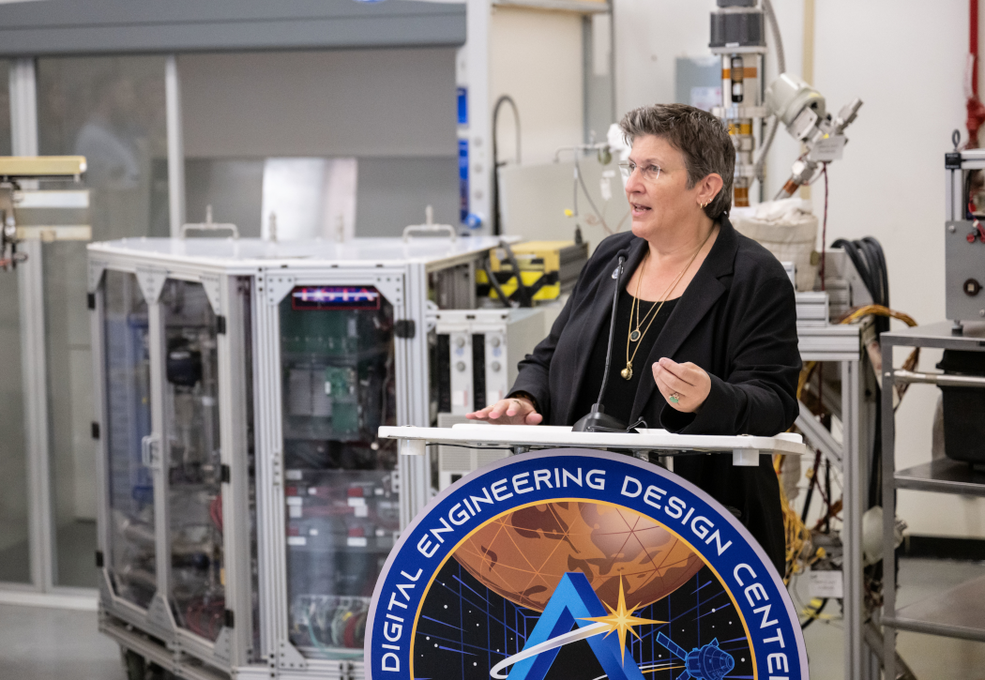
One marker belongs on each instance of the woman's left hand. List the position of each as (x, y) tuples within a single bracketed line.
[(684, 386)]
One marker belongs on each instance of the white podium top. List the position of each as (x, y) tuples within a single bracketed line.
[(745, 449)]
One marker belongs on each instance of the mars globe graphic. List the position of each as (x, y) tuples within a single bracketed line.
[(522, 555)]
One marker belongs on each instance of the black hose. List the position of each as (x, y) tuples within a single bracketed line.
[(810, 488), (817, 613), (827, 491), (870, 261), (523, 293), (495, 284), (496, 227)]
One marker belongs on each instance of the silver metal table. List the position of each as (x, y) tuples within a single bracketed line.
[(958, 612)]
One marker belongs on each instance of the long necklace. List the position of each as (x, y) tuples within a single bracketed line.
[(635, 335)]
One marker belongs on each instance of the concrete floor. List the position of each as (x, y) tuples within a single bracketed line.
[(38, 643), (929, 656), (53, 644)]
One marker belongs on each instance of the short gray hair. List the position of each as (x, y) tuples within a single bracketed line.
[(701, 138)]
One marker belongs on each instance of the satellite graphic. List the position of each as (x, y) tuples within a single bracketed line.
[(578, 590)]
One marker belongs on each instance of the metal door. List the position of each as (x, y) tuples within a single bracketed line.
[(331, 379), (124, 342)]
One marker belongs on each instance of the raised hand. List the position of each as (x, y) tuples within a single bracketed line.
[(684, 386)]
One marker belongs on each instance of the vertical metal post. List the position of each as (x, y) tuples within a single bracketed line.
[(613, 109), (477, 66), (34, 361), (852, 533), (587, 48), (162, 525), (234, 446), (176, 146), (268, 480), (100, 415), (412, 399), (888, 513)]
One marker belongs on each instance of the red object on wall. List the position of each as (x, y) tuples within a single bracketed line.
[(976, 110)]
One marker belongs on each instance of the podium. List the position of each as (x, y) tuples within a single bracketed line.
[(572, 560), (745, 449)]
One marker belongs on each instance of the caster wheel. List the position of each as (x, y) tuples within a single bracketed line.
[(155, 672), (135, 665)]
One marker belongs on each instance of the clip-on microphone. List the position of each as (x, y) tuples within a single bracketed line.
[(597, 420)]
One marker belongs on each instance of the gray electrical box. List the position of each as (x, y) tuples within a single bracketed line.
[(964, 236), (477, 352)]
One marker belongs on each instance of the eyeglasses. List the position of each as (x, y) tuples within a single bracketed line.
[(650, 172)]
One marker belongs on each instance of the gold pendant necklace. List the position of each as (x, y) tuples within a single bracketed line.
[(636, 335)]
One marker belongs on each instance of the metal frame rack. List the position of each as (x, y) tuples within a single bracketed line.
[(956, 613), (842, 344), (240, 386), (822, 341)]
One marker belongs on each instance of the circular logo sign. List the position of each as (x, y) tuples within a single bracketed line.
[(573, 564)]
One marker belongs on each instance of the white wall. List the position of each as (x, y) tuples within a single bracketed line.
[(890, 184), (908, 67), (536, 58)]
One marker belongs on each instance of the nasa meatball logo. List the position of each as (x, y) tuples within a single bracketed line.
[(565, 564)]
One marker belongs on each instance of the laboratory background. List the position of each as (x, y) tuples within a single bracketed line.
[(240, 236)]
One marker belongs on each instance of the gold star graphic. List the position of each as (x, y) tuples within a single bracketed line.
[(622, 620)]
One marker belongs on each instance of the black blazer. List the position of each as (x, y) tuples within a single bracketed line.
[(737, 320)]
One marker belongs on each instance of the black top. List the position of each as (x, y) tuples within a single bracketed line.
[(737, 320), (619, 392)]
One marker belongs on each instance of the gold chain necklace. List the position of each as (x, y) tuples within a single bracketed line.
[(635, 336)]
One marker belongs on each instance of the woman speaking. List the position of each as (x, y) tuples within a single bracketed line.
[(705, 334)]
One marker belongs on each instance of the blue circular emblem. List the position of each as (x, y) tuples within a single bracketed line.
[(566, 563)]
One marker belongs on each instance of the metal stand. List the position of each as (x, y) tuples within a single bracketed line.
[(842, 344), (956, 613)]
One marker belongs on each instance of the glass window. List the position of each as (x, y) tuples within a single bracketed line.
[(342, 511), (128, 426), (14, 553), (191, 433), (112, 111)]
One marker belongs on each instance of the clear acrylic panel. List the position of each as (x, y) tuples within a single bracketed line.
[(342, 509), (128, 424), (194, 470), (111, 110), (15, 565)]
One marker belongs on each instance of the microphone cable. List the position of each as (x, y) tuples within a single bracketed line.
[(596, 420), (612, 332)]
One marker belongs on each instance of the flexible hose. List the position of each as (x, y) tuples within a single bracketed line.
[(505, 99), (495, 284), (781, 66), (781, 62)]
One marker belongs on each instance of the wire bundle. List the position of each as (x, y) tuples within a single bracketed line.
[(870, 262), (215, 512), (206, 618)]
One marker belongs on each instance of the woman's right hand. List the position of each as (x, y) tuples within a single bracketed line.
[(511, 411)]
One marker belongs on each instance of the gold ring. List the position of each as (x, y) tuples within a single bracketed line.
[(675, 398)]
